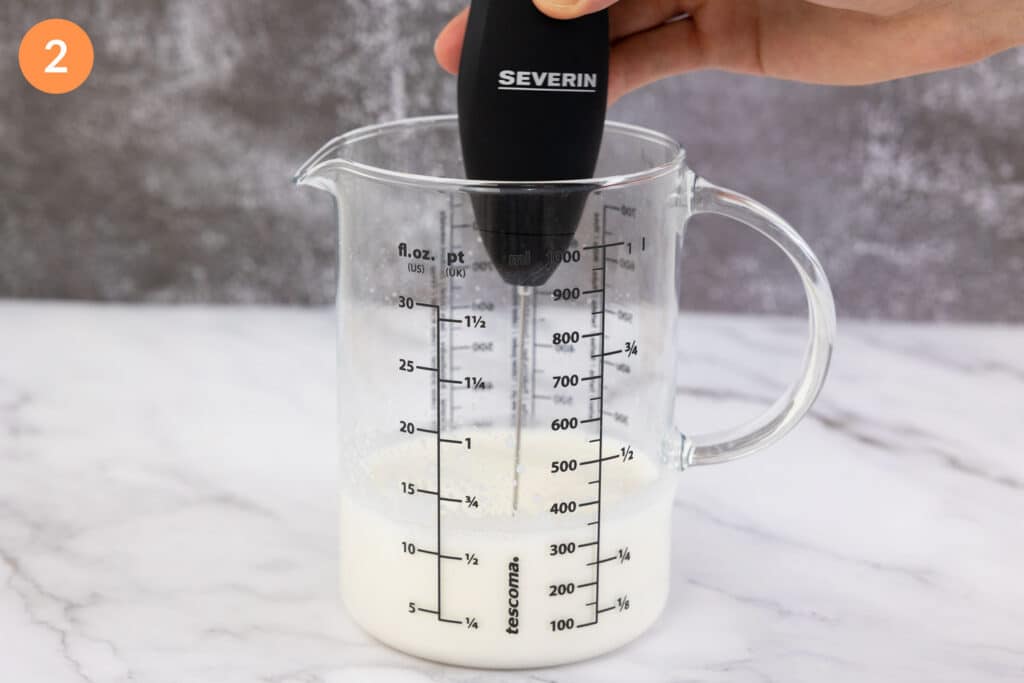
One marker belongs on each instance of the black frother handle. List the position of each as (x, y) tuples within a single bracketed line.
[(533, 94)]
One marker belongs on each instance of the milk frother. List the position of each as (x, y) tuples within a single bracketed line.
[(533, 92)]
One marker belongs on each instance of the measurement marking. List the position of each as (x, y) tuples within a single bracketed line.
[(434, 306), (451, 320), (590, 379), (586, 585), (428, 552), (590, 604), (604, 246), (583, 505), (593, 291), (598, 460), (597, 269), (597, 398), (448, 621), (589, 623), (437, 409), (606, 609), (586, 545), (597, 440), (452, 500), (600, 562), (593, 334), (605, 354), (426, 431), (600, 425), (596, 481), (450, 381), (533, 375), (428, 611), (424, 367), (451, 557), (596, 521), (429, 493), (593, 419), (450, 441)]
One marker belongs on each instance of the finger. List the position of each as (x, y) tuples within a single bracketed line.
[(635, 16), (448, 46), (571, 9), (652, 55)]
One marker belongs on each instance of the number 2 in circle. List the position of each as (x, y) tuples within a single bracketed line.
[(62, 50), (56, 56)]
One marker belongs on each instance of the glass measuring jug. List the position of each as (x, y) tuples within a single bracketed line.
[(508, 455)]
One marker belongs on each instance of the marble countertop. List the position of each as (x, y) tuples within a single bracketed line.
[(167, 508)]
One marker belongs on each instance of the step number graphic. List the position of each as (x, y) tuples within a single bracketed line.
[(56, 56)]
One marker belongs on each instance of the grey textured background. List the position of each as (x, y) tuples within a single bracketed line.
[(165, 178)]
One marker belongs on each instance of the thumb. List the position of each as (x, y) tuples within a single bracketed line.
[(571, 9)]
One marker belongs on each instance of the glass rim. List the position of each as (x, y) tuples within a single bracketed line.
[(327, 158)]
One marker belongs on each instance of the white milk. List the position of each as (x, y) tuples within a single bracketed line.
[(500, 596)]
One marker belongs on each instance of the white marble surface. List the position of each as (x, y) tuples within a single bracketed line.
[(167, 508)]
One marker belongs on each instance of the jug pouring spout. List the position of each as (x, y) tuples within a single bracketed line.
[(321, 169)]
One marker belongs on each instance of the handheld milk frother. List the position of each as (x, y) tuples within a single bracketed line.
[(533, 93)]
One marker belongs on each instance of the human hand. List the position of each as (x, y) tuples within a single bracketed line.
[(838, 42)]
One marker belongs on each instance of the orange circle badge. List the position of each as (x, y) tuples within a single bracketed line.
[(56, 56)]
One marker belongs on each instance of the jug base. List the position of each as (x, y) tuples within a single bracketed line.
[(508, 658)]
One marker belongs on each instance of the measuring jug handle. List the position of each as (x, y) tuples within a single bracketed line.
[(777, 421)]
